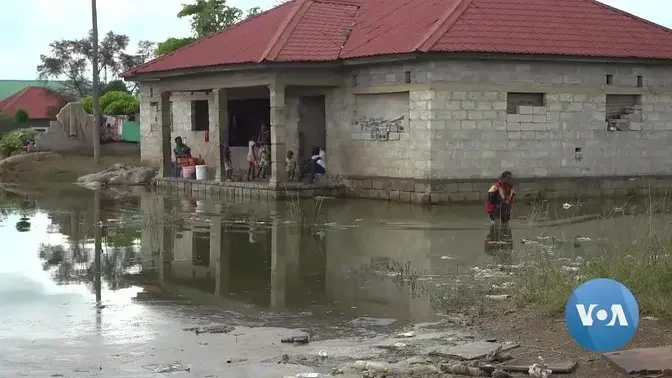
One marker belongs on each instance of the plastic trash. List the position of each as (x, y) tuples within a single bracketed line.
[(375, 367), (323, 354), (566, 206), (406, 334), (310, 375)]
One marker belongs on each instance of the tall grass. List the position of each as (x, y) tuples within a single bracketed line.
[(305, 213), (640, 258)]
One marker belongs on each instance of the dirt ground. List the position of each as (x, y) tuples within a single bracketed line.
[(55, 169), (541, 335)]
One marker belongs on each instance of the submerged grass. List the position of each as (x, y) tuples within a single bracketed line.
[(640, 258)]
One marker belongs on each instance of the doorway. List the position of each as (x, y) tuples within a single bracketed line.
[(312, 126)]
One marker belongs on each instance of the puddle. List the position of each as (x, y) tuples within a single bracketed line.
[(219, 286)]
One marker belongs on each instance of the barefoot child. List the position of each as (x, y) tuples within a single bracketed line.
[(291, 166), (251, 161), (228, 164), (264, 161)]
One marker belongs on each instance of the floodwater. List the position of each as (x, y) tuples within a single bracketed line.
[(351, 274)]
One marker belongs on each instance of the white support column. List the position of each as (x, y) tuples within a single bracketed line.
[(278, 134), (165, 169), (219, 128)]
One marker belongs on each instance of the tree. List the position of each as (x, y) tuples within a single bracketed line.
[(115, 103), (253, 12), (172, 44), (21, 116), (70, 61), (209, 16)]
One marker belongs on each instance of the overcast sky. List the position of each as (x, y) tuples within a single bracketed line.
[(28, 26)]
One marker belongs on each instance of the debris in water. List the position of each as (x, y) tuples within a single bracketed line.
[(566, 206), (309, 375), (539, 370), (461, 369), (323, 354), (399, 345), (569, 269), (583, 239), (406, 335), (296, 340), (210, 329), (447, 258), (236, 360), (170, 368), (373, 367)]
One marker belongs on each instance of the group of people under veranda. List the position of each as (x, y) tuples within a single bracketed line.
[(259, 159)]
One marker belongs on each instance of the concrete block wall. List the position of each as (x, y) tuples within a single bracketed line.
[(473, 137), (353, 153)]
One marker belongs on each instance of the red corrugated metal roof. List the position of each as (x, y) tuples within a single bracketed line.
[(39, 102), (329, 30)]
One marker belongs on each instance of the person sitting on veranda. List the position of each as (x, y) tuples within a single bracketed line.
[(181, 150)]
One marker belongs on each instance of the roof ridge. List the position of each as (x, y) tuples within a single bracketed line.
[(442, 25), (285, 30), (15, 97), (634, 17), (159, 58)]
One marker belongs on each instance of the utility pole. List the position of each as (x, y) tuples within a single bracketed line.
[(96, 85)]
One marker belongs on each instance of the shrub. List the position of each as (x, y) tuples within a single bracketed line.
[(21, 116), (13, 141), (114, 103)]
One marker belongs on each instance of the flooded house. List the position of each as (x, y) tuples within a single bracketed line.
[(425, 101)]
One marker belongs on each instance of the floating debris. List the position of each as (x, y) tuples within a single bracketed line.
[(323, 354), (399, 345), (406, 335), (210, 329), (566, 206), (583, 239), (447, 258), (539, 370), (296, 340), (569, 269)]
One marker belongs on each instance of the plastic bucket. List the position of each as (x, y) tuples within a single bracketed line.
[(188, 171), (200, 172)]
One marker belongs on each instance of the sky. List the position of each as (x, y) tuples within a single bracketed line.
[(28, 26)]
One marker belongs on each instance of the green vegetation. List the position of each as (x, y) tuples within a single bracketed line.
[(207, 17), (114, 103), (641, 259), (21, 116), (13, 141)]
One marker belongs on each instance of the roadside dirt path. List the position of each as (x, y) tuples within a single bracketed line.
[(541, 335)]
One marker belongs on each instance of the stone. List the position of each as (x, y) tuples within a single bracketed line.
[(119, 174)]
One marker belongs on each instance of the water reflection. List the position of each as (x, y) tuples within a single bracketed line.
[(499, 243)]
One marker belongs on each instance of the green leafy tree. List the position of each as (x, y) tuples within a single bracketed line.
[(172, 44), (21, 116), (13, 141), (70, 61), (115, 86), (114, 103), (207, 17)]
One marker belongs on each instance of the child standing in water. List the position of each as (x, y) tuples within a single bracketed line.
[(228, 164), (251, 161), (291, 166)]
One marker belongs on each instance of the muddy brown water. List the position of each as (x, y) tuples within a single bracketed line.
[(349, 273)]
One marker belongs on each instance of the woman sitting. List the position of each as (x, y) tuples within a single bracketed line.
[(181, 149)]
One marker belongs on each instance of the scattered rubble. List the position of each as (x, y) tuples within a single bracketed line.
[(118, 174)]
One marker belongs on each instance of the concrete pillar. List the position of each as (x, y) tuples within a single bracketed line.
[(278, 266), (219, 128), (278, 134), (165, 168)]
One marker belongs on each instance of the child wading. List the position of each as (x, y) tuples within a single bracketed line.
[(500, 199), (291, 166), (252, 163)]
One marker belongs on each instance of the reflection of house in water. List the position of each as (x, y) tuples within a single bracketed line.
[(284, 267)]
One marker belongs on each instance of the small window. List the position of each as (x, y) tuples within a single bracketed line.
[(407, 77), (354, 80), (514, 100), (610, 79), (200, 115), (170, 109), (640, 81), (624, 112)]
